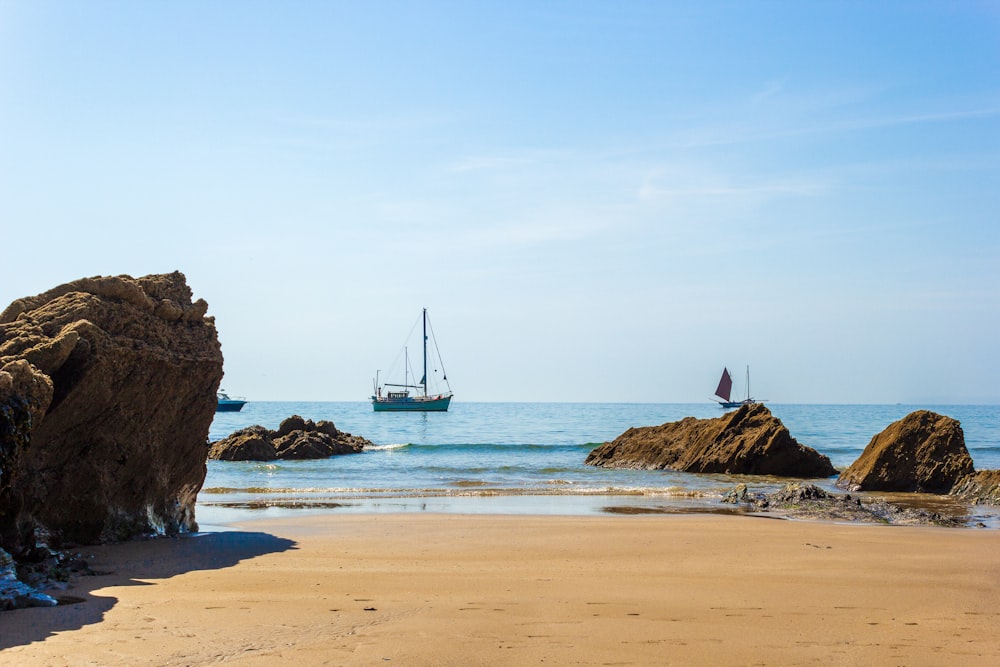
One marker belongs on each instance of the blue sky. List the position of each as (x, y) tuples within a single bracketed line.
[(597, 201)]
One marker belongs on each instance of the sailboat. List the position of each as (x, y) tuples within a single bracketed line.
[(398, 398), (725, 388)]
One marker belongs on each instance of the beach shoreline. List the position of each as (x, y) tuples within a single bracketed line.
[(215, 512), (431, 588)]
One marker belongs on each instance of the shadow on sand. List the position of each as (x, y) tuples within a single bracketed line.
[(125, 565)]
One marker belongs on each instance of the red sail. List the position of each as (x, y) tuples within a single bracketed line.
[(725, 385)]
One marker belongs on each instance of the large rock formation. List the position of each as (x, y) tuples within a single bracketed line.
[(296, 438), (107, 392), (982, 487), (923, 451), (749, 441)]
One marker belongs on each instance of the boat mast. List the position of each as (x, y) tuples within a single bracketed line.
[(425, 352)]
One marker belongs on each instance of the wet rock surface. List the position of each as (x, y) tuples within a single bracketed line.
[(808, 501), (43, 569), (980, 488), (16, 594), (295, 438), (748, 441)]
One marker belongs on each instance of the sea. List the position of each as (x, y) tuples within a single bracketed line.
[(528, 458)]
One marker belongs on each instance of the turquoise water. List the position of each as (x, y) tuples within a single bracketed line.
[(521, 458)]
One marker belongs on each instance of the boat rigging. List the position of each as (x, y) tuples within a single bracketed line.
[(398, 398), (725, 389)]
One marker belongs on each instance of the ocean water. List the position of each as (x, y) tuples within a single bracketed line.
[(525, 458)]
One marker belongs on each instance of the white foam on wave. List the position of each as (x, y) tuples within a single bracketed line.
[(384, 448)]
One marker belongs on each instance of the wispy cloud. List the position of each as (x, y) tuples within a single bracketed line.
[(649, 191), (678, 184), (912, 119), (770, 89), (748, 132), (364, 121), (505, 161), (554, 228)]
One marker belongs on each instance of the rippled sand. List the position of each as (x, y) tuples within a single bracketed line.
[(426, 589)]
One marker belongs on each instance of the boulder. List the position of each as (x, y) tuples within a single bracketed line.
[(295, 438), (107, 392), (923, 451), (293, 423), (981, 487), (324, 426), (790, 495), (304, 445), (249, 444), (749, 441)]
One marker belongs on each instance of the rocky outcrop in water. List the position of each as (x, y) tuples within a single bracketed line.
[(923, 451), (748, 441), (981, 488), (253, 443), (107, 392), (296, 438)]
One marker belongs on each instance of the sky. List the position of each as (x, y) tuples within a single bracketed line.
[(595, 201)]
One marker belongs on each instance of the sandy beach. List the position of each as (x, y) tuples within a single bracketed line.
[(513, 590)]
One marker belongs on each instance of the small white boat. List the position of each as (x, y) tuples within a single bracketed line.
[(227, 404)]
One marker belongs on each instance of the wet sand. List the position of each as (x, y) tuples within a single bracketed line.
[(512, 590)]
